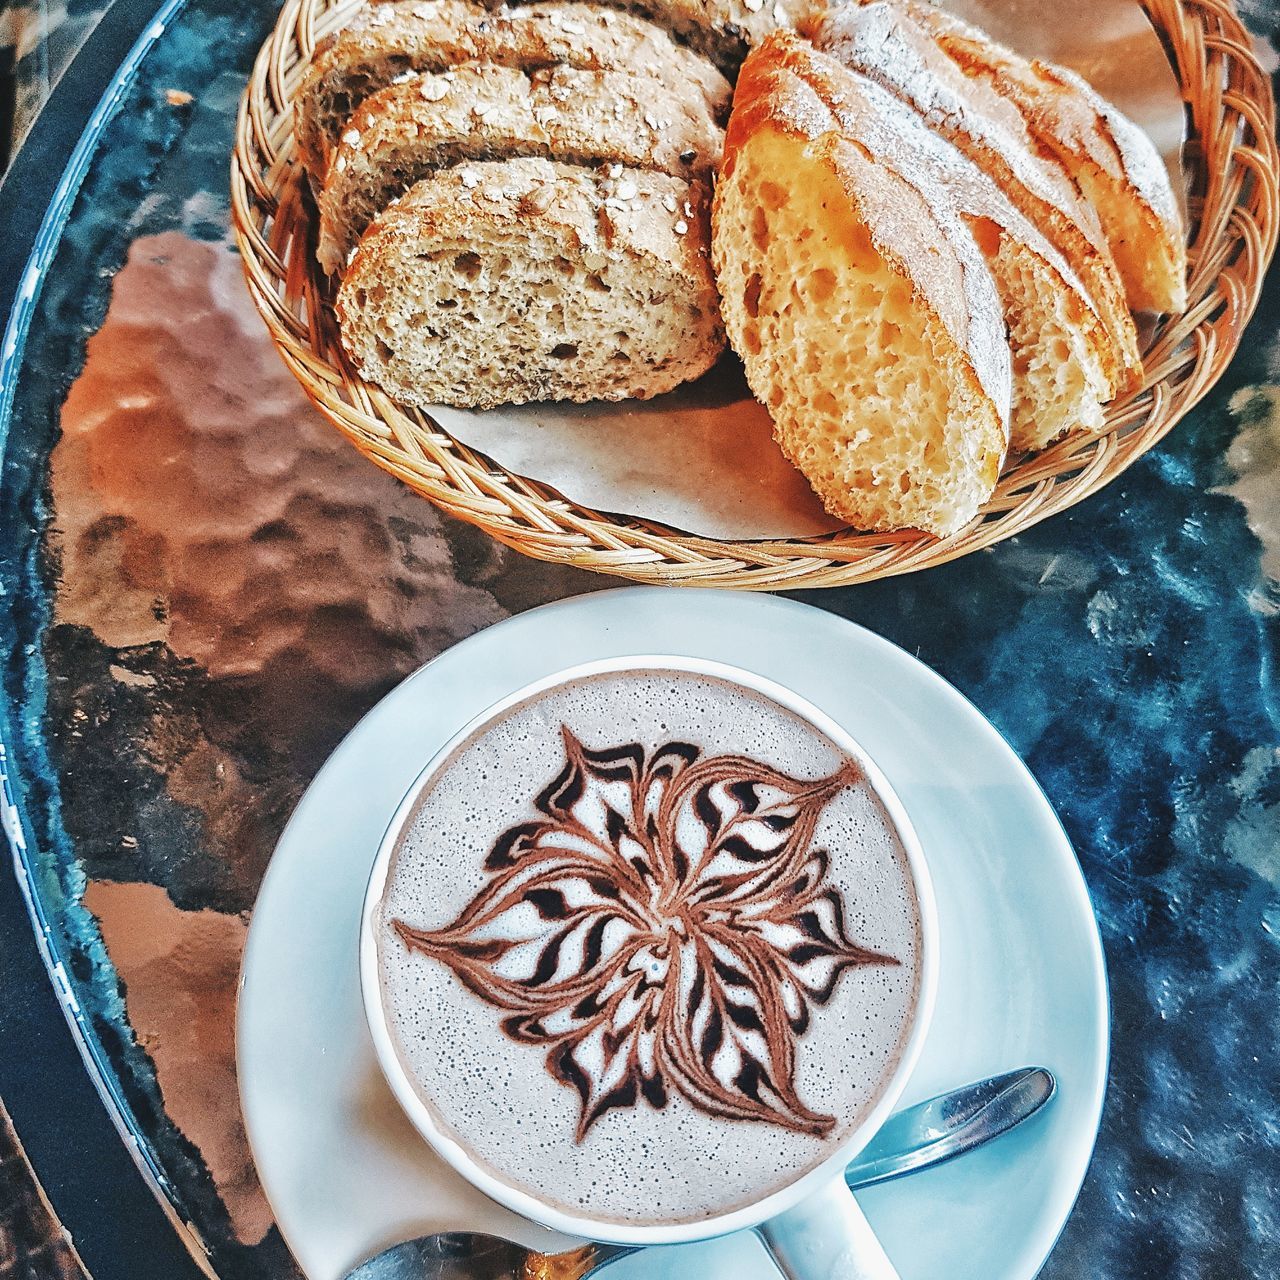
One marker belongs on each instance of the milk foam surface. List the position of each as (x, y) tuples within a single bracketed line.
[(636, 1163)]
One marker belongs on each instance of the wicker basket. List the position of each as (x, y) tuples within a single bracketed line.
[(1232, 162)]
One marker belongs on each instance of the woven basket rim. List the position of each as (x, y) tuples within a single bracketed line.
[(1231, 158)]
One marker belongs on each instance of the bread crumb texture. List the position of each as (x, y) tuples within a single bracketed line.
[(527, 279), (872, 396)]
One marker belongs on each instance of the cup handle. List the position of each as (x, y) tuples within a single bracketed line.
[(826, 1237)]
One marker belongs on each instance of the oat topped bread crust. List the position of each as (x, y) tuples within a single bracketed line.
[(527, 279), (605, 211), (722, 30), (394, 38), (484, 112)]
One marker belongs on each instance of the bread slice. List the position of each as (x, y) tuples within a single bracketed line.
[(1060, 349), (867, 322), (532, 280), (486, 112), (388, 40), (884, 43), (722, 30), (1113, 162)]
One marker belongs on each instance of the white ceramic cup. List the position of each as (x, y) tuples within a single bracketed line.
[(813, 1226)]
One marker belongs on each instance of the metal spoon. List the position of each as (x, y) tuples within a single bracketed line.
[(917, 1138)]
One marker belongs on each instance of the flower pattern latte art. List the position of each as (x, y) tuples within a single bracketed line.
[(664, 926)]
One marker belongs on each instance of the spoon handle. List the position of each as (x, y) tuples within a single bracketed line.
[(951, 1124)]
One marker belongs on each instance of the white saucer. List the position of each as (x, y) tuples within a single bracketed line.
[(1021, 975)]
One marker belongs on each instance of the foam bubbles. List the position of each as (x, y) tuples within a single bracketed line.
[(636, 1164)]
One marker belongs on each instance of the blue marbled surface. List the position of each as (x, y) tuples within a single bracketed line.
[(173, 647)]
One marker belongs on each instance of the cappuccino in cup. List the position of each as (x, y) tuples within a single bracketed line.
[(648, 945)]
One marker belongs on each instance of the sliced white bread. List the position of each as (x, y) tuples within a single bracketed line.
[(486, 112), (1061, 352), (1114, 163), (883, 42), (528, 280), (397, 37), (867, 321)]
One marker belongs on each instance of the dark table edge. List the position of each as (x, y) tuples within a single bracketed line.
[(61, 1107)]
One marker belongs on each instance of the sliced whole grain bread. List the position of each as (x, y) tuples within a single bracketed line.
[(395, 38), (883, 42), (528, 279), (722, 30), (867, 321), (486, 112), (1064, 363), (1114, 163)]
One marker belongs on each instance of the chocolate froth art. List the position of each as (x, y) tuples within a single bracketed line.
[(664, 925)]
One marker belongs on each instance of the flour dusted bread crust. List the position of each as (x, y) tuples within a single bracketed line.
[(487, 112), (527, 280), (883, 42), (397, 37), (867, 321), (1060, 350), (1114, 163)]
